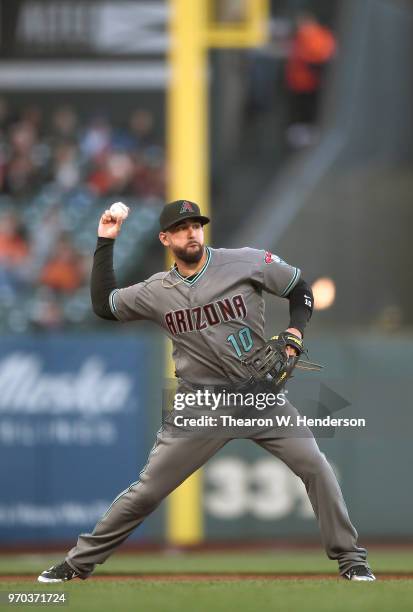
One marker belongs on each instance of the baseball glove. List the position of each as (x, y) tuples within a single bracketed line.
[(271, 362)]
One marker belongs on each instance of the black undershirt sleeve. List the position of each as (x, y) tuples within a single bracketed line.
[(301, 305), (103, 281)]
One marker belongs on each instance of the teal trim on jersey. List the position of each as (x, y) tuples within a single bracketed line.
[(112, 304), (292, 282), (198, 274)]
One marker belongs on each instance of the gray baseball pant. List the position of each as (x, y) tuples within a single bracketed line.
[(173, 459)]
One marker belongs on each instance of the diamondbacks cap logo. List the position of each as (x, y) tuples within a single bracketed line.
[(186, 207)]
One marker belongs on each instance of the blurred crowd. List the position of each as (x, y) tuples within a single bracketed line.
[(107, 159), (56, 173), (37, 269)]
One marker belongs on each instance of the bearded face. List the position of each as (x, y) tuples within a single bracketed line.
[(185, 240), (190, 254)]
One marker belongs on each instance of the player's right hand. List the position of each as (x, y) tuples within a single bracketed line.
[(108, 226)]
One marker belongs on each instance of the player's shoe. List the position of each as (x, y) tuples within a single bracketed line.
[(59, 573), (359, 573)]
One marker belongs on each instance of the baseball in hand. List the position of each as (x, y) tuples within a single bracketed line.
[(119, 210)]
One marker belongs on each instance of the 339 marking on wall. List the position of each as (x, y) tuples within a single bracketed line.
[(265, 489)]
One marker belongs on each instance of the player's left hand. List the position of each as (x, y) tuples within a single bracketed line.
[(290, 350)]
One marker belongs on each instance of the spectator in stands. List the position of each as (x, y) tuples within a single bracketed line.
[(95, 141), (32, 115), (141, 124), (14, 253), (20, 170), (64, 271), (14, 248), (313, 46), (42, 242), (46, 312), (113, 175), (149, 175), (66, 165), (64, 126)]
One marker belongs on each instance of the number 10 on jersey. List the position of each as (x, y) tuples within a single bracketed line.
[(241, 342)]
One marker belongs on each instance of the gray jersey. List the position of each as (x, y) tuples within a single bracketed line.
[(216, 318)]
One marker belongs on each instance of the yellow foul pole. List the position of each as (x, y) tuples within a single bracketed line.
[(187, 105), (193, 29), (187, 148)]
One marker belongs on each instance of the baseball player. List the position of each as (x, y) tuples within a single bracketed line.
[(210, 304)]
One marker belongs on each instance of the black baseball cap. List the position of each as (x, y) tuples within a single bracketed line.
[(179, 211)]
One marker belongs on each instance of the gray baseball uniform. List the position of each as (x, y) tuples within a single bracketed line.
[(215, 319)]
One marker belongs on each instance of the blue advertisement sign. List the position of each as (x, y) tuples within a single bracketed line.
[(72, 431)]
